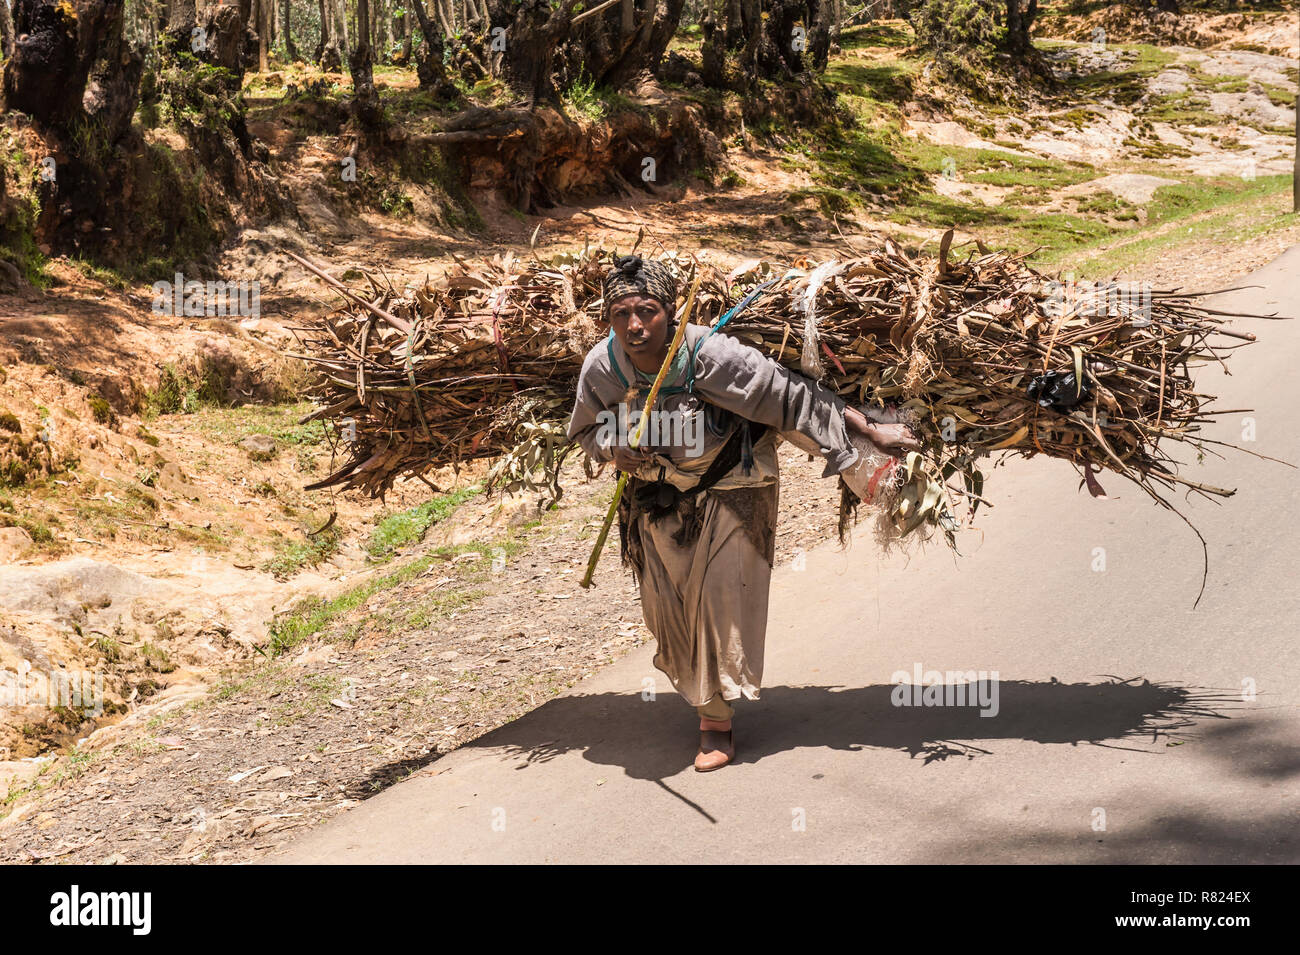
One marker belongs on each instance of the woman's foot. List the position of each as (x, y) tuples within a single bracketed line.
[(716, 745)]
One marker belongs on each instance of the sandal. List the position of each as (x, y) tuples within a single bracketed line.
[(717, 747)]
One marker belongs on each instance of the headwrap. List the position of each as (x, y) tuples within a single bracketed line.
[(633, 275)]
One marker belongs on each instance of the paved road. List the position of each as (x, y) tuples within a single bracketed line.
[(830, 771)]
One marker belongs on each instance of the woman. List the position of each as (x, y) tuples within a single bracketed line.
[(698, 517)]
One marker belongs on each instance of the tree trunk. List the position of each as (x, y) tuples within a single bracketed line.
[(341, 26), (713, 51), (261, 26), (428, 56), (74, 73), (361, 64), (289, 50), (181, 17), (52, 74), (534, 33), (324, 31), (6, 31), (336, 46), (404, 34), (819, 41), (735, 25), (1019, 21), (1295, 177)]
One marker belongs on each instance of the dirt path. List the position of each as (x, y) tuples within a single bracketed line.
[(382, 691)]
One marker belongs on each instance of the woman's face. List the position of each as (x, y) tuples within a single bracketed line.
[(641, 324)]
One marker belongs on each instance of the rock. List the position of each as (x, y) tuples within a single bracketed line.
[(1133, 187), (67, 589), (1168, 82), (14, 544), (16, 774), (261, 447), (11, 280)]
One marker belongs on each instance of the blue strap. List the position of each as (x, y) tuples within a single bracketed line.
[(613, 362), (735, 310)]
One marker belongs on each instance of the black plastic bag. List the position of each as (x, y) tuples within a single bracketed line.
[(1059, 390)]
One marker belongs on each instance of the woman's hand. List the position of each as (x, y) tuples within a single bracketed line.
[(891, 436), (630, 459), (885, 436)]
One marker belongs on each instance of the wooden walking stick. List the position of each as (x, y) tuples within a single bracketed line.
[(635, 439)]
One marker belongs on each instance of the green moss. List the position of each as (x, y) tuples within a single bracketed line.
[(19, 211), (39, 531), (1107, 204), (1181, 109), (101, 410), (183, 392), (1127, 83), (1278, 95)]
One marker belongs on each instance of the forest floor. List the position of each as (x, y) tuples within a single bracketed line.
[(273, 655)]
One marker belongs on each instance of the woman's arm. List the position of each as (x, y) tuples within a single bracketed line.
[(585, 422), (743, 380)]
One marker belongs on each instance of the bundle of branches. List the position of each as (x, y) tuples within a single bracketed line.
[(988, 355), (983, 354)]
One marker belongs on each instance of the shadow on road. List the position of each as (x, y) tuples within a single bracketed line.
[(1244, 812), (656, 740)]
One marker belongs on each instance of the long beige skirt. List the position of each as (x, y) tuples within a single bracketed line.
[(706, 605)]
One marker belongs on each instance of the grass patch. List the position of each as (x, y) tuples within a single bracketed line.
[(280, 421), (37, 529), (894, 33), (180, 391), (409, 527), (1228, 211), (313, 615), (292, 557)]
